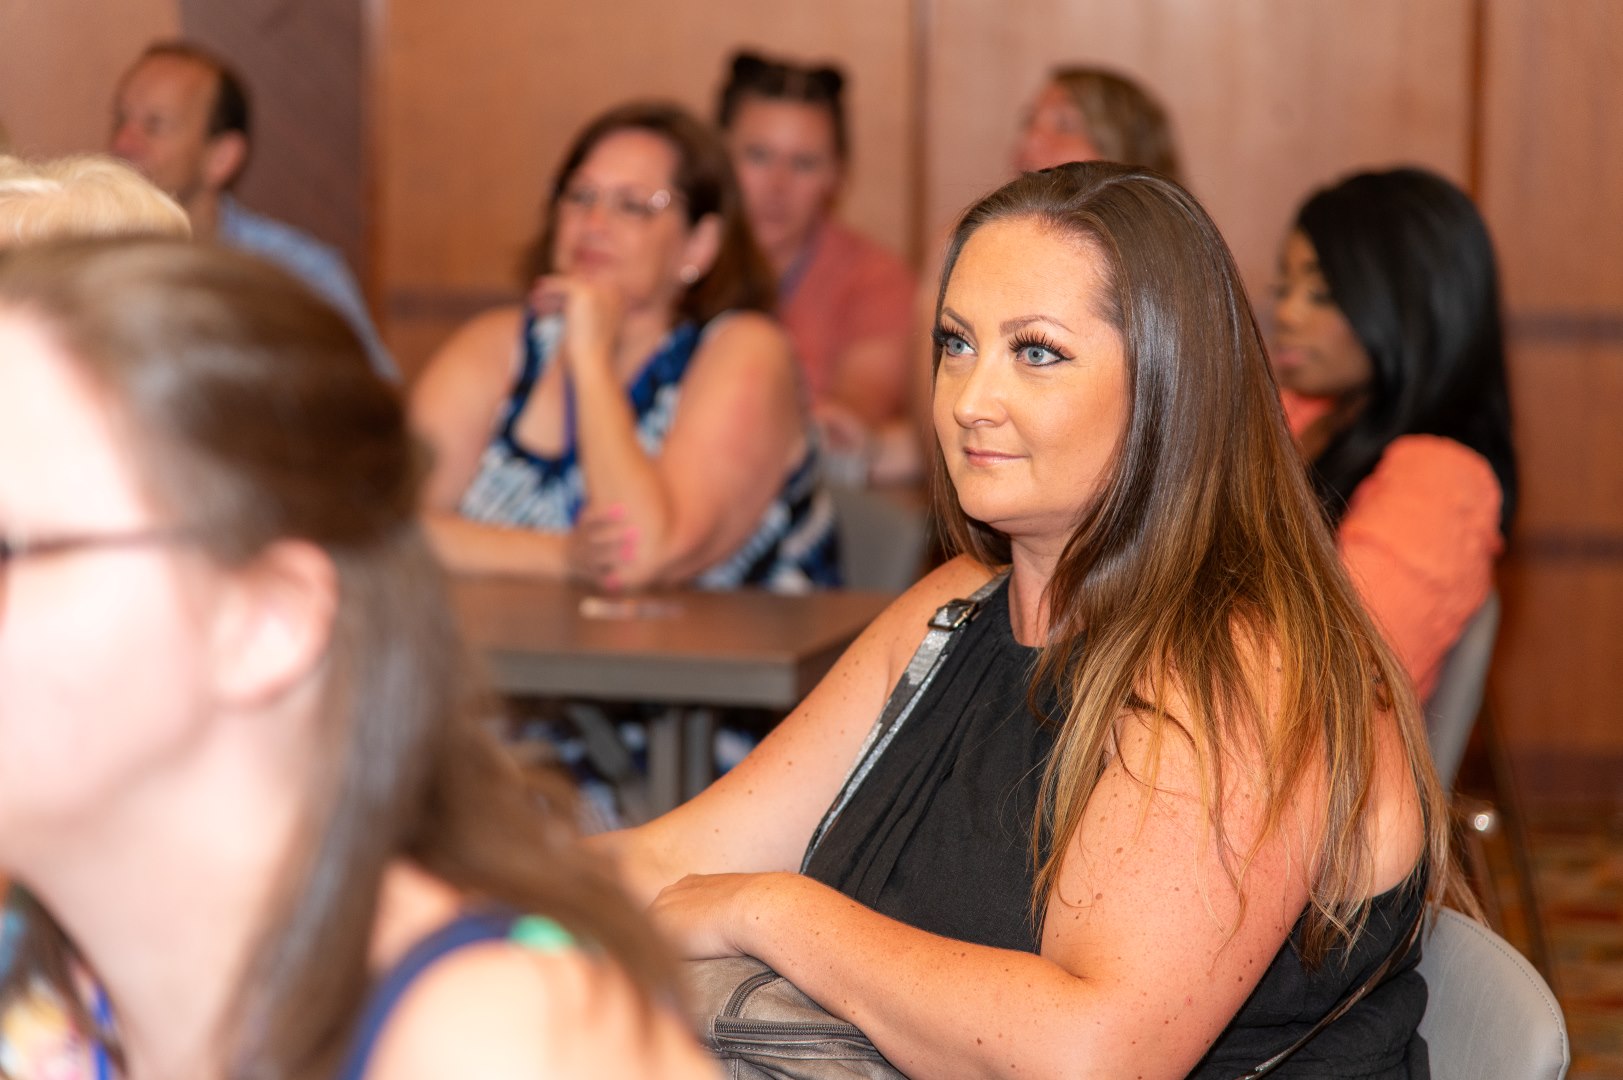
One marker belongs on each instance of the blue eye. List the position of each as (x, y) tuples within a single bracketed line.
[(1036, 352), (950, 343)]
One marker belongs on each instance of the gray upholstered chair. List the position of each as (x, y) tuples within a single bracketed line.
[(1455, 703), (1489, 1014), (883, 537)]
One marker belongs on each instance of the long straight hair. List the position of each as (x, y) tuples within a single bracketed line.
[(252, 417), (1204, 554), (1409, 263)]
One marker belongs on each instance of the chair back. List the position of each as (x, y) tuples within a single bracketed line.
[(1489, 1015), (1452, 711), (883, 536)]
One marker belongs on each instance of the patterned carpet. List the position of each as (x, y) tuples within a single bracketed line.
[(1575, 856)]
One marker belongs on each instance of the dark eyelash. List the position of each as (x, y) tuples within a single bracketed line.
[(1029, 340), (940, 335)]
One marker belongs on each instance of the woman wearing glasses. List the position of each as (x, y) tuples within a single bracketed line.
[(243, 777), (639, 422)]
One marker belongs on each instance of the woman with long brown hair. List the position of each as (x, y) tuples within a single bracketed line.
[(1167, 801), (242, 775)]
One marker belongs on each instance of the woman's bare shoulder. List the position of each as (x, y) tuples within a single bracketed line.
[(902, 625), (489, 339), (503, 1010)]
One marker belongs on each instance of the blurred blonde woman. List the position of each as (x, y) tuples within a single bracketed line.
[(1093, 114), (1081, 113), (86, 195)]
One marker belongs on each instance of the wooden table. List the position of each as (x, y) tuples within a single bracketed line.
[(685, 649)]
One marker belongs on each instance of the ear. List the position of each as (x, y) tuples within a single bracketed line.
[(703, 245), (271, 633), (223, 159)]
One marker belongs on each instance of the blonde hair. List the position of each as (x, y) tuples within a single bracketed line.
[(86, 195), (1125, 122)]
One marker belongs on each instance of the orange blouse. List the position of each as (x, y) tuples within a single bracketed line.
[(1419, 540), (850, 290)]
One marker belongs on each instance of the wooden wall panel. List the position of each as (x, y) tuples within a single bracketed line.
[(1270, 98), (1552, 184), (301, 60), (1568, 398), (475, 105), (59, 62), (1552, 190)]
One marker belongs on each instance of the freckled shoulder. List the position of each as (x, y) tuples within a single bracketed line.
[(903, 625)]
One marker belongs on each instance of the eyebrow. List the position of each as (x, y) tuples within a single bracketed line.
[(1020, 322), (1008, 326)]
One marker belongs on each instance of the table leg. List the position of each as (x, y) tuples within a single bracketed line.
[(665, 760), (608, 752), (698, 750)]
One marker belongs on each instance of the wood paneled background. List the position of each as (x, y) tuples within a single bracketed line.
[(1551, 186), (1269, 98), (475, 106), (419, 136), (59, 62)]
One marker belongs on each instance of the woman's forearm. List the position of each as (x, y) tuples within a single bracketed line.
[(934, 1006), (466, 546), (618, 472)]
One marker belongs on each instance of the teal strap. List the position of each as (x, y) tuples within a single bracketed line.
[(540, 934)]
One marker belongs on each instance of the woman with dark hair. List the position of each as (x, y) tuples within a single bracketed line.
[(638, 422), (1390, 349), (845, 300), (243, 782), (1167, 801)]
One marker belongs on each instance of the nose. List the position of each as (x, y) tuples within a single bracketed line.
[(599, 214), (1287, 308), (976, 393), (126, 141), (777, 176)]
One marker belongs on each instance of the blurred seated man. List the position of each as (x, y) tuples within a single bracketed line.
[(181, 116)]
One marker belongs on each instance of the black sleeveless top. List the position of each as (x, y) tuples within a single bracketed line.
[(939, 837)]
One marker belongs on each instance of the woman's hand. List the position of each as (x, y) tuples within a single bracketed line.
[(603, 546), (591, 312), (705, 915)]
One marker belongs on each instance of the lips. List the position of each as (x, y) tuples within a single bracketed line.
[(1289, 356), (985, 457), (586, 258)]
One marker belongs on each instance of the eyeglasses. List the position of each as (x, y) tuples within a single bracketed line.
[(14, 549), (620, 204)]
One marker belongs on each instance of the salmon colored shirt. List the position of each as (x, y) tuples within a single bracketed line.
[(849, 290), (1419, 540)]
